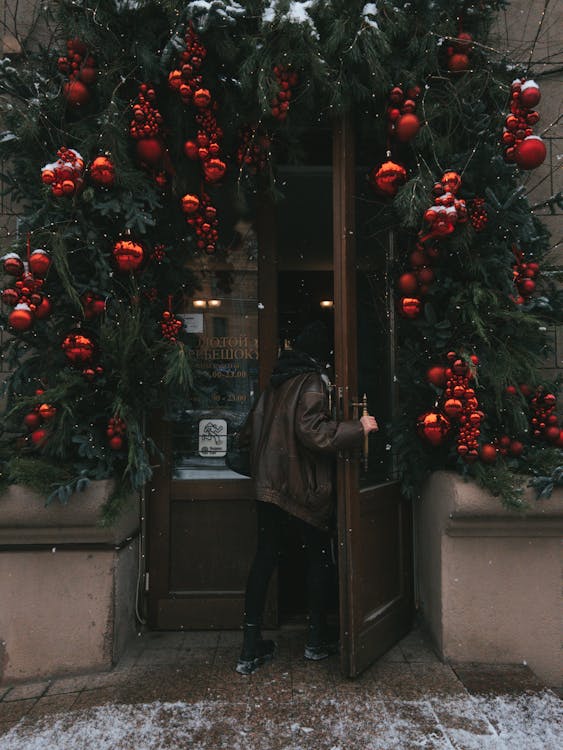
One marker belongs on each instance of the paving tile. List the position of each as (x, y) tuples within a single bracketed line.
[(5, 726), (53, 704), (415, 725), (434, 680), (16, 709), (67, 685), (156, 639), (416, 647), (393, 680), (271, 685), (4, 690), (201, 639), (497, 679), (27, 690), (463, 731), (97, 697), (394, 654)]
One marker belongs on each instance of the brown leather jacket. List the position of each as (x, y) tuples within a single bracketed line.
[(293, 443)]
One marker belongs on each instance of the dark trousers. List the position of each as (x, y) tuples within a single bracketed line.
[(272, 523)]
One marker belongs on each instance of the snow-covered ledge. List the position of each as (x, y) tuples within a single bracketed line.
[(67, 584), (489, 578)]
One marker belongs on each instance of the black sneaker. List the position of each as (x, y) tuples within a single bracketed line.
[(249, 663)]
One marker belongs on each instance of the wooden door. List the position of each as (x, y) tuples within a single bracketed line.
[(374, 519)]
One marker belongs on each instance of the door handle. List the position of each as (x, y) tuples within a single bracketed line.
[(363, 404)]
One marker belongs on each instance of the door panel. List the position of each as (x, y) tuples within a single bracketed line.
[(375, 567)]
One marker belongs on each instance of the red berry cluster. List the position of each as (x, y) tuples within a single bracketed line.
[(508, 446), (93, 304), (26, 297), (159, 253), (170, 326), (458, 52), (36, 420), (202, 216), (448, 210), (80, 67), (147, 120), (65, 176), (189, 84), (521, 146), (115, 432), (403, 123), (253, 152), (287, 79), (416, 283), (545, 423), (460, 403), (185, 79), (524, 274), (478, 214)]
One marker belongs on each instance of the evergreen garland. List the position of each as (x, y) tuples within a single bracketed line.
[(348, 55)]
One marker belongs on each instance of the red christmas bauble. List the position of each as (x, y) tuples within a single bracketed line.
[(43, 309), (488, 453), (149, 150), (38, 436), (407, 126), (88, 74), (116, 443), (552, 433), (516, 448), (437, 376), (530, 152), (39, 263), (530, 94), (453, 407), (191, 149), (526, 286), (128, 255), (458, 62), (102, 171), (76, 93), (78, 348), (47, 411), (433, 427), (32, 420), (214, 169), (21, 317), (12, 264), (407, 283), (388, 178), (10, 297), (202, 98), (410, 307), (190, 204)]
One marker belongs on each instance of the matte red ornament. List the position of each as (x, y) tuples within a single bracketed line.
[(530, 152), (43, 309), (78, 348), (516, 448), (128, 255), (407, 126), (388, 178), (433, 427), (437, 376), (149, 150), (116, 442), (10, 297), (488, 453), (76, 93), (102, 171), (191, 149), (38, 436), (407, 283), (458, 63), (32, 420)]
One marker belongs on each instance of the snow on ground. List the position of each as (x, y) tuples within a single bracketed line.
[(524, 722)]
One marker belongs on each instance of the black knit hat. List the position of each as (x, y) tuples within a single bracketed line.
[(314, 341)]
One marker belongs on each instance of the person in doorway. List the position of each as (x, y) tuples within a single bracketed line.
[(293, 440)]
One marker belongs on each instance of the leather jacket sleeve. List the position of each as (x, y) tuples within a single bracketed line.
[(314, 426)]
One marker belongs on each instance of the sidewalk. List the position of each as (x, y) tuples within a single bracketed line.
[(179, 690)]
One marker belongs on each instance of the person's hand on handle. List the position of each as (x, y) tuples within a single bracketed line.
[(369, 424)]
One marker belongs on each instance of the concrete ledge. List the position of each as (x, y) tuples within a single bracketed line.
[(67, 584), (489, 578)]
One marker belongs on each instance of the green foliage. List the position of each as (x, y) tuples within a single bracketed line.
[(348, 54)]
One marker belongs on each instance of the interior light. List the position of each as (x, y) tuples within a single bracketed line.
[(327, 303), (199, 303), (214, 303)]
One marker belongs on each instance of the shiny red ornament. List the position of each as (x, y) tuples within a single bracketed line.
[(407, 283), (78, 348), (39, 436), (191, 150), (47, 411), (43, 309), (128, 255), (10, 297), (433, 427), (410, 307), (190, 204), (530, 152), (32, 420), (21, 317), (388, 178), (458, 62), (102, 171), (214, 169), (453, 408), (39, 263), (407, 126), (202, 98), (530, 94), (436, 376), (12, 264)]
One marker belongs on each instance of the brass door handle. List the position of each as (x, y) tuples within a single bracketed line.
[(364, 406)]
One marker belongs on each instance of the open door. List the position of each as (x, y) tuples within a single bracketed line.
[(374, 520)]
